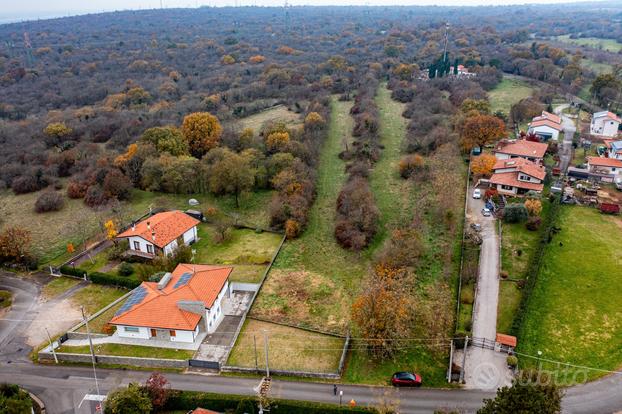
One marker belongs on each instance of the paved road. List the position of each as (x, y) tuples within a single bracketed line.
[(565, 149), (485, 368)]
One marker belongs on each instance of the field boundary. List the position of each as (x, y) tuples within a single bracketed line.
[(289, 325)]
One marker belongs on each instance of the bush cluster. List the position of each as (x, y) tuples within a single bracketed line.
[(49, 201)]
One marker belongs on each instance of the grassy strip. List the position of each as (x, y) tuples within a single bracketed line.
[(574, 314), (533, 269), (6, 298), (95, 297), (128, 350), (58, 286)]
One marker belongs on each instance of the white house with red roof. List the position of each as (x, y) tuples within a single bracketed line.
[(520, 148), (604, 166), (614, 148), (546, 126), (178, 308), (161, 233), (605, 124), (517, 176)]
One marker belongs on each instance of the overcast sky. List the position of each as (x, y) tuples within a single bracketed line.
[(32, 9)]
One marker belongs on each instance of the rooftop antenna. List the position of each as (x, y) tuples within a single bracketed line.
[(161, 4), (286, 8), (28, 47)]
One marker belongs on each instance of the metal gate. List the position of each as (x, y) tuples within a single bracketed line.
[(197, 363)]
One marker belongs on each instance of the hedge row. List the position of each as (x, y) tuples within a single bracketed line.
[(533, 268), (111, 280), (190, 400), (101, 278)]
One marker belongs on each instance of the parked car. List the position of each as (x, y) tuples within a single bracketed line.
[(477, 193), (476, 226), (406, 379), (486, 212)]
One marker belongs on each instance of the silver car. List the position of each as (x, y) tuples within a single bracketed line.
[(486, 212)]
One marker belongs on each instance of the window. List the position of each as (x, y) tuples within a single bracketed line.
[(172, 333), (136, 245), (149, 249), (153, 332), (507, 187), (131, 329)]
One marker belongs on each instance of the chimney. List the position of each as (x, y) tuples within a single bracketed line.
[(148, 226), (133, 226), (164, 281), (153, 235), (193, 306)]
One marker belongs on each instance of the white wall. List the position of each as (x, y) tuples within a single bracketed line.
[(501, 190), (528, 178), (183, 336), (502, 156), (546, 130), (143, 332), (190, 235), (170, 248), (215, 314), (143, 244), (604, 126)]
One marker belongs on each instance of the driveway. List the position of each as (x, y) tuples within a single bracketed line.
[(484, 368), (565, 148)]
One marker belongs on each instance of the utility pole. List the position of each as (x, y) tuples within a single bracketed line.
[(466, 343), (88, 334), (255, 346), (446, 40), (265, 343), (51, 346)]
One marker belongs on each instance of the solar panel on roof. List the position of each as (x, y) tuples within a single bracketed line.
[(183, 280), (135, 298)]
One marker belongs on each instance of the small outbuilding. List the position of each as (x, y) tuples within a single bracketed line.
[(505, 343)]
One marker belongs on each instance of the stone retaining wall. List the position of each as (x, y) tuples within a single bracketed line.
[(304, 374)]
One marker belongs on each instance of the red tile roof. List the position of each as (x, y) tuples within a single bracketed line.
[(523, 165), (511, 179), (545, 122), (552, 117), (522, 148), (604, 162), (162, 228), (508, 340), (204, 411), (159, 308)]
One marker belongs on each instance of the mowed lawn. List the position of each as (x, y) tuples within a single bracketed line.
[(288, 348), (279, 113), (58, 286), (507, 93), (128, 350), (316, 256), (610, 45), (574, 314), (393, 195), (95, 297)]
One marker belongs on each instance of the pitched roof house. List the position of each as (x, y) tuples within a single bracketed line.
[(604, 166), (177, 307), (517, 176), (546, 126), (520, 148), (161, 233), (605, 123), (614, 148)]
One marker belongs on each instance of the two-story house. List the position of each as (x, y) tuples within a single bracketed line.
[(546, 126), (605, 124), (521, 148), (517, 176)]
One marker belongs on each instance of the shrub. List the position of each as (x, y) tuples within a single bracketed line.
[(515, 213), (125, 269), (246, 406), (292, 229), (94, 196), (466, 297), (117, 185), (533, 223), (504, 274), (512, 361), (71, 271), (156, 277), (49, 201), (76, 189), (25, 184), (111, 280), (410, 164), (534, 207)]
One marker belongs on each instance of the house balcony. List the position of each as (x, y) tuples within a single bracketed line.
[(141, 254)]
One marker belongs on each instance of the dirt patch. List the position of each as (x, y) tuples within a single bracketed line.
[(57, 317)]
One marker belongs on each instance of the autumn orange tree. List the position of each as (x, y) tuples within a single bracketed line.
[(277, 140), (14, 245), (479, 130), (202, 131), (384, 311), (482, 165)]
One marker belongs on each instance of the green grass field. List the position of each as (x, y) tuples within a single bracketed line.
[(278, 113), (128, 350), (609, 45), (289, 348), (95, 297), (507, 93), (574, 314), (597, 67), (58, 286), (97, 324)]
